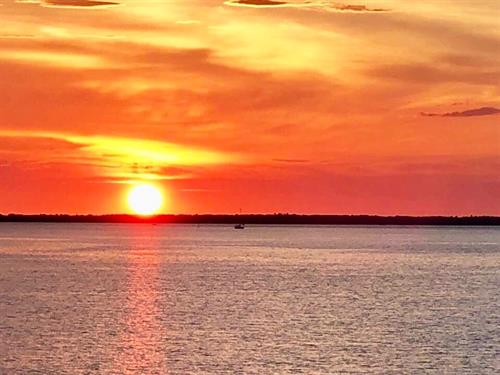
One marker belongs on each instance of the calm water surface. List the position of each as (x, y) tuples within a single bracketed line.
[(143, 299)]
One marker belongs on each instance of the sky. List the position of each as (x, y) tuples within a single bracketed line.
[(358, 107)]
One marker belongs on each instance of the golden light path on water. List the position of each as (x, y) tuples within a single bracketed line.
[(144, 337)]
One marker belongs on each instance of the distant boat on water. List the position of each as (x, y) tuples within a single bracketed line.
[(239, 226)]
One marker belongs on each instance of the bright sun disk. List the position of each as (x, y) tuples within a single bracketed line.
[(145, 199)]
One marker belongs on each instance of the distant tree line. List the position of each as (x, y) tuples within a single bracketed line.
[(272, 219)]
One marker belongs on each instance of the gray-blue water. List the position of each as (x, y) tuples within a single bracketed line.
[(144, 299)]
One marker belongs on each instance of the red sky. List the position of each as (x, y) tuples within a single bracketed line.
[(378, 107)]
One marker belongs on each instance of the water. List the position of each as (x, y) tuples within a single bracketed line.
[(143, 299)]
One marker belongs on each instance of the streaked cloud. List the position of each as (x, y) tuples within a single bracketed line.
[(129, 158), (59, 59), (291, 161), (259, 3), (326, 5), (72, 3), (484, 111), (357, 8), (16, 36), (421, 73)]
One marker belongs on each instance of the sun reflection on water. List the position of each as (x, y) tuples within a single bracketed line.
[(145, 334)]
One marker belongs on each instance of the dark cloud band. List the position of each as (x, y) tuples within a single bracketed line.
[(484, 111)]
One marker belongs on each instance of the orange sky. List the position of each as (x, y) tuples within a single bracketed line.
[(378, 107)]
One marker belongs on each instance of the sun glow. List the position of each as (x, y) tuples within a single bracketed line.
[(145, 199)]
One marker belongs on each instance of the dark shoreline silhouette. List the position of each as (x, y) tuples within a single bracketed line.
[(270, 219)]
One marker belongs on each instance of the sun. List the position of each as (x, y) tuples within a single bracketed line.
[(145, 199)]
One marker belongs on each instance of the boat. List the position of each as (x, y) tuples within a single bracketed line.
[(239, 226)]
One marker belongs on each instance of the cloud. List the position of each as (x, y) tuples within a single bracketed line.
[(17, 36), (126, 159), (357, 8), (132, 101), (293, 161), (257, 3), (326, 5), (188, 22), (418, 73), (72, 3), (484, 111)]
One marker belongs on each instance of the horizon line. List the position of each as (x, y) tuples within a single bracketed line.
[(255, 219), (249, 214)]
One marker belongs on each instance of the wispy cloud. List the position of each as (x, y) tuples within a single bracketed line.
[(258, 3), (17, 36), (484, 111), (72, 3), (357, 8), (293, 161), (326, 5), (131, 158), (418, 73)]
